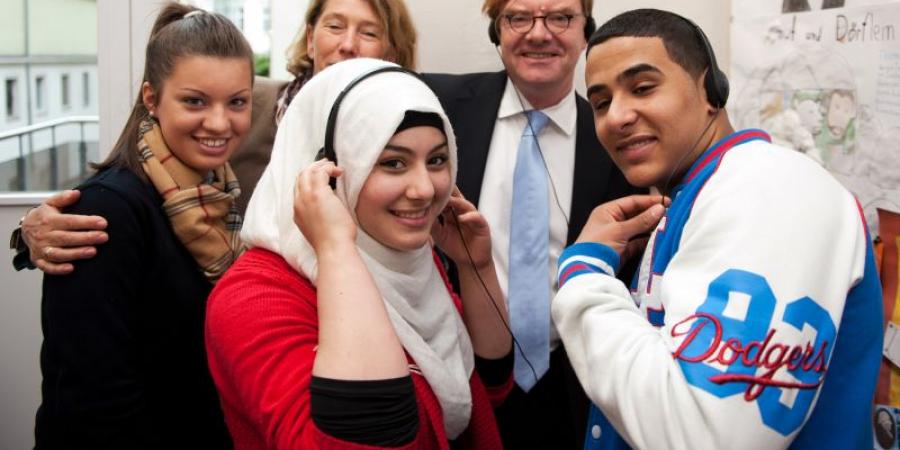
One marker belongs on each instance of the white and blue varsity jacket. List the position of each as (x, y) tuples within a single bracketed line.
[(755, 320)]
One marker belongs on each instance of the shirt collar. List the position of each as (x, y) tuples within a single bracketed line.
[(563, 114)]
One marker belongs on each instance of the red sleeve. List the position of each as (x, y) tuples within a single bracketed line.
[(497, 394), (261, 338)]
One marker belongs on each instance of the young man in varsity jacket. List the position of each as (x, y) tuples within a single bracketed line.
[(755, 318)]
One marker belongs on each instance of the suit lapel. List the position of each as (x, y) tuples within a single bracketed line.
[(474, 114)]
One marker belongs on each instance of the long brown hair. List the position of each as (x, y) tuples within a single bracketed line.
[(174, 36), (395, 19)]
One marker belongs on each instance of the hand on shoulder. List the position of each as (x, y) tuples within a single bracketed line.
[(55, 239)]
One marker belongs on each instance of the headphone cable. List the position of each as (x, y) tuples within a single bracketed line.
[(487, 291), (665, 190)]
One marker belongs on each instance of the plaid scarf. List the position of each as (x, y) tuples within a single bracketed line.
[(202, 212)]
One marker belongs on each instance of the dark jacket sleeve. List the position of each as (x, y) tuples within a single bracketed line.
[(94, 396)]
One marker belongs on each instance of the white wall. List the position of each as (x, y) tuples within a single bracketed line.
[(453, 39), (123, 27), (713, 16), (20, 340), (287, 16)]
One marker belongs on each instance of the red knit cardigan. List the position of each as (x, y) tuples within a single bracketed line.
[(261, 338)]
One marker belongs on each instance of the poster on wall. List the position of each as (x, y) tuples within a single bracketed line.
[(823, 77)]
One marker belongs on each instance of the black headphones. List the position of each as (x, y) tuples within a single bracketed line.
[(327, 150), (494, 34), (715, 82)]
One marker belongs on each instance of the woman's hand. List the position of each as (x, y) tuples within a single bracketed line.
[(318, 213), (460, 214)]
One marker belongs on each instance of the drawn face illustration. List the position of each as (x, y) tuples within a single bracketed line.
[(810, 112), (841, 111), (885, 432)]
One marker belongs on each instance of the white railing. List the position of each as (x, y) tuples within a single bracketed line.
[(48, 124), (21, 142)]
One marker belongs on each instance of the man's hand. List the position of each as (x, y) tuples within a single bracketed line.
[(624, 224), (55, 239)]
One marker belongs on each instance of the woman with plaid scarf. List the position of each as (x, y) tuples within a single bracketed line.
[(123, 360), (333, 30)]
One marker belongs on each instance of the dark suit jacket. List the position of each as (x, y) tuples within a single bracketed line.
[(554, 413), (472, 101)]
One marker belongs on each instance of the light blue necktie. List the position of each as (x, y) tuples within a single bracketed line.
[(529, 253)]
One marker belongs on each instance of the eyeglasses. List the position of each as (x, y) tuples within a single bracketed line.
[(555, 22)]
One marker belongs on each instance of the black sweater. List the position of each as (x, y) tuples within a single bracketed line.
[(123, 357)]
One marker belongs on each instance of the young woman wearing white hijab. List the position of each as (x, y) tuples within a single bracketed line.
[(338, 328)]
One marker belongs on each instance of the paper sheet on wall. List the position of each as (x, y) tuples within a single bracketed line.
[(825, 82)]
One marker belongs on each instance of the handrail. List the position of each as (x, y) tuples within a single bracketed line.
[(23, 198), (48, 124), (20, 133)]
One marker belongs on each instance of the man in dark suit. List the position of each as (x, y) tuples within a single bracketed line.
[(540, 42)]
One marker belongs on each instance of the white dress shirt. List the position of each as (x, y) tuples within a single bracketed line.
[(557, 144)]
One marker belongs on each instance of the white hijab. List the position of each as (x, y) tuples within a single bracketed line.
[(416, 299)]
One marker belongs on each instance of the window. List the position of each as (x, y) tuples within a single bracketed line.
[(86, 89), (64, 91), (39, 93), (12, 99), (46, 80)]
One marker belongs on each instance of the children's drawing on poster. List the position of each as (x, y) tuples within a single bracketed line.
[(744, 9), (825, 82), (792, 6), (886, 425)]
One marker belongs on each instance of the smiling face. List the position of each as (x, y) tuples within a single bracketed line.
[(649, 112), (203, 108), (541, 63), (810, 112), (406, 189), (346, 29)]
